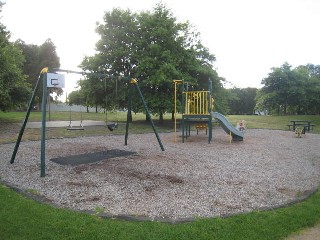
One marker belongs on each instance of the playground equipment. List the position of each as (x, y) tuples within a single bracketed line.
[(111, 125), (73, 127), (134, 83), (299, 131), (197, 109), (235, 134), (57, 80)]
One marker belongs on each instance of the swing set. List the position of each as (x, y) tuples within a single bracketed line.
[(111, 125), (71, 126), (52, 79)]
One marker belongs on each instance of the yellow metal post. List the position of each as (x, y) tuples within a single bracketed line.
[(175, 106)]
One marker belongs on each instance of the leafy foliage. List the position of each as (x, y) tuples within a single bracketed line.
[(242, 101), (37, 58), (152, 47), (76, 97), (293, 91), (14, 90)]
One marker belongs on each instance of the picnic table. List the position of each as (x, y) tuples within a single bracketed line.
[(306, 124)]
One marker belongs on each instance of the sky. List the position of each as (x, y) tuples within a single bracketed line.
[(248, 37)]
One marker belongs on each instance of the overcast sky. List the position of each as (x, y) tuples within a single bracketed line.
[(248, 37)]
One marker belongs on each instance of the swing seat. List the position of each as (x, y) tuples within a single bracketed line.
[(75, 127), (112, 126)]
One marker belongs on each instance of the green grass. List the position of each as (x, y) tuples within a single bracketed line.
[(75, 116), (23, 218), (274, 122), (252, 121)]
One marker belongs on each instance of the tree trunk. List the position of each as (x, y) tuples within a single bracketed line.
[(285, 109), (130, 116), (161, 117), (172, 115), (147, 118)]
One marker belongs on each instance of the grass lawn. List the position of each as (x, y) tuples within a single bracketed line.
[(23, 218), (252, 121), (274, 122)]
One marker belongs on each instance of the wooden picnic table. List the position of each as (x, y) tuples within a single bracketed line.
[(306, 124)]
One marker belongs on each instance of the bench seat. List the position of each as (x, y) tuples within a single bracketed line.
[(305, 126)]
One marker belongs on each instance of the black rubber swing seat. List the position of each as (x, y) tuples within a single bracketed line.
[(112, 125)]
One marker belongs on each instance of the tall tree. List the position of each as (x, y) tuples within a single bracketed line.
[(293, 91), (154, 48), (76, 97), (312, 89), (14, 90), (114, 57), (276, 87), (36, 58), (242, 100), (169, 50)]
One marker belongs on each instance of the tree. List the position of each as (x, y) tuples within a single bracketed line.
[(275, 91), (293, 91), (242, 101), (169, 50), (155, 49), (312, 89), (76, 97), (114, 58), (37, 58), (14, 90)]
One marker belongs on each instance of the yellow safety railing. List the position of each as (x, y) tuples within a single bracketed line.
[(197, 103)]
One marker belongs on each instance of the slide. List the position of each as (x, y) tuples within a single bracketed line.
[(228, 127)]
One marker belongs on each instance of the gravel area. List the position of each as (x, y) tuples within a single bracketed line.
[(270, 168)]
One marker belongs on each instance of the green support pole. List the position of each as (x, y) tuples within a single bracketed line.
[(148, 114), (43, 132), (16, 147), (128, 114)]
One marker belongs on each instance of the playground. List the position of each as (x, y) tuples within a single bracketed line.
[(172, 176), (268, 169)]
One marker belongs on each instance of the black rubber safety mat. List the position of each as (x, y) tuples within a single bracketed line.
[(86, 158)]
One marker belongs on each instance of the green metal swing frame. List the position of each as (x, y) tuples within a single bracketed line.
[(43, 75)]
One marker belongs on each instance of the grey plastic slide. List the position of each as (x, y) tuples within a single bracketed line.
[(228, 127)]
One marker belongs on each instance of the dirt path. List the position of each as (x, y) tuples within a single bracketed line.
[(307, 234)]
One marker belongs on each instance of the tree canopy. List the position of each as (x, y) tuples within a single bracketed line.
[(37, 58), (152, 47), (20, 65), (291, 91), (241, 100), (76, 98), (14, 90)]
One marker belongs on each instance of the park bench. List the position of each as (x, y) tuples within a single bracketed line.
[(305, 124)]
